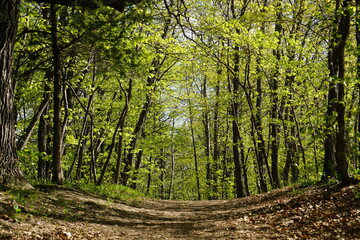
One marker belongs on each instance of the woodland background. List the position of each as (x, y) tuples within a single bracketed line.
[(189, 99)]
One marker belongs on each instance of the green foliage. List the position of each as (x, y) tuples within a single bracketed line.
[(17, 208), (356, 191), (21, 197), (297, 191), (108, 56), (111, 191)]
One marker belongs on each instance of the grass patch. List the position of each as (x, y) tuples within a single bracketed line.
[(16, 203), (356, 191), (111, 191), (22, 197)]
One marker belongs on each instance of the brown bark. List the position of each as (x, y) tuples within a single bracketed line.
[(238, 151), (123, 116), (291, 162), (57, 137), (10, 174), (162, 174), (236, 137), (9, 11), (172, 156), (81, 143), (216, 146), (148, 184), (357, 131), (329, 143), (136, 134), (206, 123), (336, 97), (289, 128), (274, 125), (29, 129), (110, 151), (139, 157), (43, 135), (339, 51), (193, 141), (256, 126), (92, 150)]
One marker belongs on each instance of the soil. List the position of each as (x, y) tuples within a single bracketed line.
[(58, 212)]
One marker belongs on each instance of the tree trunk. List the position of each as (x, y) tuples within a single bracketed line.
[(85, 129), (92, 150), (139, 157), (329, 143), (81, 144), (274, 125), (148, 184), (26, 136), (291, 162), (239, 178), (43, 131), (341, 141), (225, 163), (68, 104), (256, 126), (357, 132), (209, 174), (10, 174), (289, 129), (57, 137), (138, 160), (122, 125), (197, 177), (135, 137), (110, 151), (151, 80), (162, 174), (172, 178), (216, 146), (236, 136), (336, 98)]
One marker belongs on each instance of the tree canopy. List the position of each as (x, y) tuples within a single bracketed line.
[(181, 99)]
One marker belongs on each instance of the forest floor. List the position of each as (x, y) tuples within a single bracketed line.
[(58, 212)]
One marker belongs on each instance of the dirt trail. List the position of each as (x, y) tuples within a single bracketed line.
[(64, 213)]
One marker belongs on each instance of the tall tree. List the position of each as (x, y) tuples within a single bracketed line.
[(238, 149), (43, 132), (193, 141), (10, 173), (207, 142), (57, 173), (274, 85), (357, 127), (124, 112), (9, 10), (335, 143), (154, 76)]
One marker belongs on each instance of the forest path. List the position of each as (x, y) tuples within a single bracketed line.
[(301, 213)]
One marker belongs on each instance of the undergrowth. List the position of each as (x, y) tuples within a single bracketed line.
[(107, 191), (110, 191)]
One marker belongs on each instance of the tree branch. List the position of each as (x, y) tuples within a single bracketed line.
[(93, 4)]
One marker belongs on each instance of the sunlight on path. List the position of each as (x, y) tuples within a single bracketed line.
[(72, 214)]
